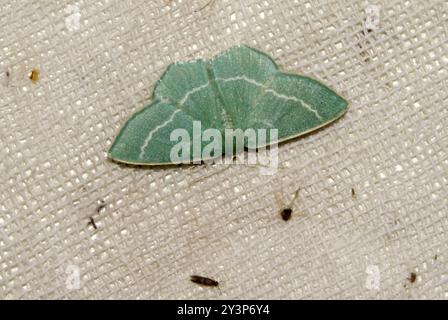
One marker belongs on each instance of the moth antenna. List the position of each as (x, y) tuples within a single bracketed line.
[(294, 197)]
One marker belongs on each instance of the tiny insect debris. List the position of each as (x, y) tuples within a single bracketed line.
[(435, 257), (8, 76), (92, 223), (412, 277), (101, 206), (364, 51), (204, 281), (34, 75), (353, 193), (286, 212)]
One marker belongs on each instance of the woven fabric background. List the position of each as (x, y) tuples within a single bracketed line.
[(98, 62)]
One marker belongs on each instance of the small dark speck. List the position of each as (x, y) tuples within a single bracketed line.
[(101, 206), (34, 76), (412, 277), (92, 222), (286, 214), (435, 257), (8, 75), (353, 193)]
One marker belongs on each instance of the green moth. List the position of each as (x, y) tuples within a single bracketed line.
[(241, 88)]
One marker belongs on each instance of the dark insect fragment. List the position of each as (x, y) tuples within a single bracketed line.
[(8, 75), (204, 281), (92, 222), (34, 76), (286, 214), (353, 193), (412, 277), (101, 206)]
